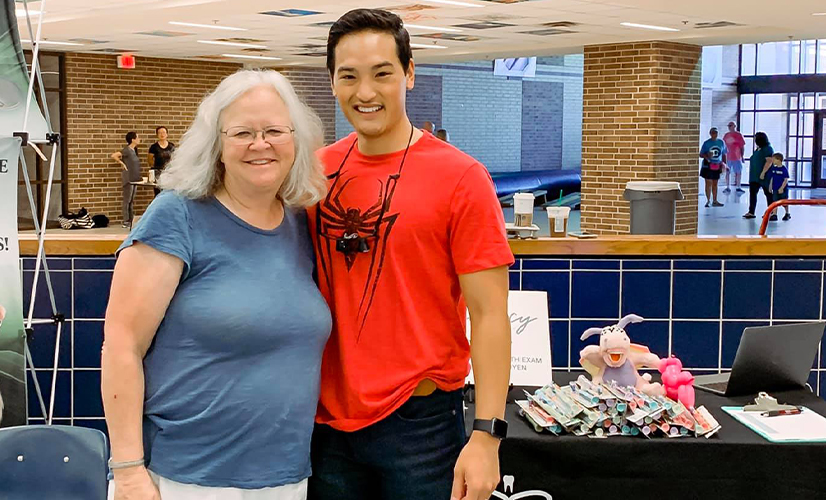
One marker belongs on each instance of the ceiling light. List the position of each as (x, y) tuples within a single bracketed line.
[(648, 27), (22, 12), (431, 28), (233, 44), (247, 56), (453, 2), (210, 26), (426, 46), (819, 14), (47, 42)]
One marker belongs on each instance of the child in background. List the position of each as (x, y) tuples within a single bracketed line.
[(779, 178)]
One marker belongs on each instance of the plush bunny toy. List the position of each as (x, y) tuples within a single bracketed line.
[(617, 359)]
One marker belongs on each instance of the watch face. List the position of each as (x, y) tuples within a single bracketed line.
[(500, 428)]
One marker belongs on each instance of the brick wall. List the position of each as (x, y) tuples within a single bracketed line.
[(313, 86), (541, 125), (484, 114), (424, 102), (104, 102), (641, 116)]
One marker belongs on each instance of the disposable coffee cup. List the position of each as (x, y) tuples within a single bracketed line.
[(558, 221), (152, 177), (523, 209)]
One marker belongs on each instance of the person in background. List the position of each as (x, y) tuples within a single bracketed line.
[(759, 164), (399, 256), (160, 152), (735, 145), (713, 154), (428, 126), (443, 135), (130, 163), (215, 327), (779, 179)]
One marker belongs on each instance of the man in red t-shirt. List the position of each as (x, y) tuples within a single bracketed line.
[(409, 237), (734, 145)]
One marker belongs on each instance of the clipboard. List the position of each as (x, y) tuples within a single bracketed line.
[(806, 427)]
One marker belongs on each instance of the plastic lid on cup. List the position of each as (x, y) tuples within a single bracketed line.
[(524, 196)]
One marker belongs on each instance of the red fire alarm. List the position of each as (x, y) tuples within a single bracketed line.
[(126, 61)]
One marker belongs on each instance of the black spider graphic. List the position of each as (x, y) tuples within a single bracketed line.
[(357, 229), (353, 232)]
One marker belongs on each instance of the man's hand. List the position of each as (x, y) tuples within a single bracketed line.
[(762, 176), (476, 474), (780, 190)]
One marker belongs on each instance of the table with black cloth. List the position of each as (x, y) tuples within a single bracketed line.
[(736, 463)]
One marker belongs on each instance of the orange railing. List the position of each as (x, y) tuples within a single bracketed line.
[(781, 203)]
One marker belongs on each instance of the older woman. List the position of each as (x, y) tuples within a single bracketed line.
[(215, 328)]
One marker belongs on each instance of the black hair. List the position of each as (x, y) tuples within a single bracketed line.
[(376, 20), (761, 139), (158, 129), (131, 136), (778, 156)]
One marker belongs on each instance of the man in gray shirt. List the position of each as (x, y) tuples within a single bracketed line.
[(131, 164)]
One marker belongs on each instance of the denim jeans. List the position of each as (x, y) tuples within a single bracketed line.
[(409, 455)]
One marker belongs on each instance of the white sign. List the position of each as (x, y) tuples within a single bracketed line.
[(530, 339)]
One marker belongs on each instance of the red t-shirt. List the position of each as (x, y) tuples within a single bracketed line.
[(734, 146), (399, 316)]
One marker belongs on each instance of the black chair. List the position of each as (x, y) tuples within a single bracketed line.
[(52, 462)]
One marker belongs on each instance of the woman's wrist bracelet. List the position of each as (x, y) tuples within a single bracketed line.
[(125, 465)]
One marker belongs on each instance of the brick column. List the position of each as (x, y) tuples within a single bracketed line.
[(641, 121)]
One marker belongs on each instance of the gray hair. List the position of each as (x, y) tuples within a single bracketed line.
[(196, 171)]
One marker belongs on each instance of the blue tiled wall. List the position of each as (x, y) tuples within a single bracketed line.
[(695, 309)]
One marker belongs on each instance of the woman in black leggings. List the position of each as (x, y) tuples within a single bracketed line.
[(760, 162)]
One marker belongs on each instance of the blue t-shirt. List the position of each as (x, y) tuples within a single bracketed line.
[(232, 376), (777, 176), (716, 148)]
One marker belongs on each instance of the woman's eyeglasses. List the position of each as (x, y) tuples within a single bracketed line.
[(244, 136)]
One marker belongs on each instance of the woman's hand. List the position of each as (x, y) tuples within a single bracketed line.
[(135, 484)]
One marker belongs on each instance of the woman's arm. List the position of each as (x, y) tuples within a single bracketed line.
[(143, 284)]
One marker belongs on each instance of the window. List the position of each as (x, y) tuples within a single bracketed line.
[(748, 59), (788, 120)]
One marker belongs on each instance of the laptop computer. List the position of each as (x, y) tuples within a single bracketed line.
[(769, 358)]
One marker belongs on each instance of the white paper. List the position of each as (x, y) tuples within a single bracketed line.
[(530, 339), (806, 426)]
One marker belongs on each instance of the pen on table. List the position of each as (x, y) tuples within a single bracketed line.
[(777, 413)]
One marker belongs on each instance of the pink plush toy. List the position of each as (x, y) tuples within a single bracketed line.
[(679, 385), (617, 359)]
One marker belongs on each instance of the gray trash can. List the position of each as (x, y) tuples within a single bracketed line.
[(653, 206)]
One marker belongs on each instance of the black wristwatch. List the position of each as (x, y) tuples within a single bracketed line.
[(496, 427)]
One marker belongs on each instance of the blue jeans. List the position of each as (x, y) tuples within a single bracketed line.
[(409, 455)]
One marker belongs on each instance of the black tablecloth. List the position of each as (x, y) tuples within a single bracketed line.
[(736, 463)]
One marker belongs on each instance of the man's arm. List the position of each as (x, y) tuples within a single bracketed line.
[(476, 473)]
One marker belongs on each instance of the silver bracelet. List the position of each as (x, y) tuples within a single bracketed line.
[(125, 465)]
